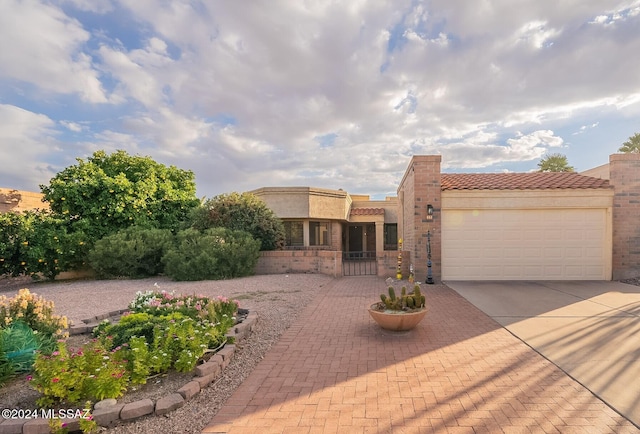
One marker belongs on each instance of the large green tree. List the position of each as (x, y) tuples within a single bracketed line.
[(109, 192), (631, 146), (245, 212), (554, 163)]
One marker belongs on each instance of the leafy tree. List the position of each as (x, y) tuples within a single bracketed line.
[(111, 192), (244, 212), (35, 243), (554, 163), (631, 146)]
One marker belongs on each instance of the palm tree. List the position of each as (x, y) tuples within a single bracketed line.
[(631, 146), (554, 163)]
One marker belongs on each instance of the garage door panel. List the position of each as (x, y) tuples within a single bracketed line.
[(524, 244)]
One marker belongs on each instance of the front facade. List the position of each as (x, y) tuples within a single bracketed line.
[(331, 230), (500, 226)]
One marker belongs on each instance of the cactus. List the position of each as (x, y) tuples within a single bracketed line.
[(413, 300)]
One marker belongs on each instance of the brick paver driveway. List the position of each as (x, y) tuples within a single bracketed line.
[(459, 371)]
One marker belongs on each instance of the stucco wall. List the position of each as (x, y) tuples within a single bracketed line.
[(19, 200), (625, 178), (306, 202)]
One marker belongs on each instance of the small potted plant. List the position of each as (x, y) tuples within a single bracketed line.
[(399, 313)]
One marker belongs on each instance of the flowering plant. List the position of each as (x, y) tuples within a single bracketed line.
[(217, 310), (34, 311), (91, 372)]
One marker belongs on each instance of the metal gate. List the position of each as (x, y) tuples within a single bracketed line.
[(359, 264)]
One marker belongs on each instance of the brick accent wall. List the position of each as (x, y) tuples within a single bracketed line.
[(625, 178), (420, 187), (388, 263), (300, 261)]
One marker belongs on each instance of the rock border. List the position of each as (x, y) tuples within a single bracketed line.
[(109, 412)]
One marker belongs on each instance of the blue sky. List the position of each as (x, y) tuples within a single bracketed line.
[(315, 93)]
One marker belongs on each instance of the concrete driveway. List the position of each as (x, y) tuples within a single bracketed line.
[(590, 330)]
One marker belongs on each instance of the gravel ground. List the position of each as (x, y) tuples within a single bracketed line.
[(277, 299)]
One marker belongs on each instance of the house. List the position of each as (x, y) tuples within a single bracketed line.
[(332, 232), (499, 226), (19, 201)]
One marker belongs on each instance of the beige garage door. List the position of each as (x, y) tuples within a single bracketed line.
[(525, 244)]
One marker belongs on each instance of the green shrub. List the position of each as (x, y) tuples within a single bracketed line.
[(217, 253), (132, 252), (36, 244)]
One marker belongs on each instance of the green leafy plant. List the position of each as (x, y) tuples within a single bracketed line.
[(92, 372), (19, 344), (132, 252), (215, 254)]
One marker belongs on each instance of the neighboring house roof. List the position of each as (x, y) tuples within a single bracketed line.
[(367, 211), (520, 181)]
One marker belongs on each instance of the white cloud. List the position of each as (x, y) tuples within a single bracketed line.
[(26, 139), (241, 95), (43, 46)]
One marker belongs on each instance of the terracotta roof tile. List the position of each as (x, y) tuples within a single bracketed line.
[(367, 211), (520, 181)]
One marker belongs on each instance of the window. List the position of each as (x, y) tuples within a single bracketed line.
[(319, 234), (293, 233), (391, 236)]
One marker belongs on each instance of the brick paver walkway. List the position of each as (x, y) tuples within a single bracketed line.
[(335, 370)]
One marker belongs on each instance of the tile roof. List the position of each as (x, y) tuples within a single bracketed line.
[(520, 181), (367, 211)]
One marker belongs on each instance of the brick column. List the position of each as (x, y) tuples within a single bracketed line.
[(419, 188), (624, 170)]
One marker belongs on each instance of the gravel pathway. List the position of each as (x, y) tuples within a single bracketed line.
[(277, 299)]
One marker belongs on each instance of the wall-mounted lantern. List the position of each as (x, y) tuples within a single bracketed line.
[(429, 212)]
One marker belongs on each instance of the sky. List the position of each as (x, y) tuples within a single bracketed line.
[(331, 94)]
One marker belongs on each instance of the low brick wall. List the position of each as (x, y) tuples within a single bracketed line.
[(300, 261), (327, 262)]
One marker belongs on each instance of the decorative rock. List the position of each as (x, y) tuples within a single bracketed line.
[(71, 424), (36, 426), (210, 367), (136, 409), (189, 390), (12, 426), (203, 381), (169, 403), (107, 415), (227, 352), (105, 403), (78, 330)]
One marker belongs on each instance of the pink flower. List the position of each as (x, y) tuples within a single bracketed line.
[(55, 380), (55, 353), (29, 377)]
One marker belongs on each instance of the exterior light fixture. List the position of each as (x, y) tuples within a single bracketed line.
[(429, 212)]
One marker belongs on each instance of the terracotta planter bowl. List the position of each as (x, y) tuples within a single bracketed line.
[(397, 321)]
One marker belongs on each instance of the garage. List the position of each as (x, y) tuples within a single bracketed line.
[(525, 244)]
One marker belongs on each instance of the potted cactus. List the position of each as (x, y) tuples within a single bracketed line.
[(399, 313)]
